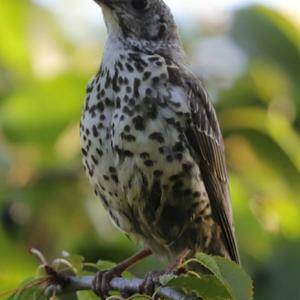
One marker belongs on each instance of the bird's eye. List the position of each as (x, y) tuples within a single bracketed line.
[(139, 4)]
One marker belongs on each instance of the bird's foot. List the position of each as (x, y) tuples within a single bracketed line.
[(150, 283), (102, 279), (101, 282), (152, 280)]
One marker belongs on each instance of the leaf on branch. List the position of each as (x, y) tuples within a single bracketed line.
[(240, 283), (87, 295), (237, 282), (207, 287)]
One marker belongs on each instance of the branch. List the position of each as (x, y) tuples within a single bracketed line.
[(126, 286)]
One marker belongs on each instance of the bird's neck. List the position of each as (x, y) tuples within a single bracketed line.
[(169, 49)]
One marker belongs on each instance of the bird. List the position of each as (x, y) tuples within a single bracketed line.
[(151, 143)]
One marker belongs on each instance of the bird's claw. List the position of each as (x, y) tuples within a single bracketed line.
[(149, 283), (101, 282), (152, 280)]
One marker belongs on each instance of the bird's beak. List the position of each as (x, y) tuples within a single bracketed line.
[(104, 2)]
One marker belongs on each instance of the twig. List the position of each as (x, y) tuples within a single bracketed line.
[(130, 286)]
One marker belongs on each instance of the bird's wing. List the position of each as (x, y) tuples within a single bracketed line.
[(206, 142)]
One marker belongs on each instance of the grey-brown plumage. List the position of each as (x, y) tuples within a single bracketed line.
[(151, 142)]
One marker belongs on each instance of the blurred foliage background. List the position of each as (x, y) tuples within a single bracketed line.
[(251, 65)]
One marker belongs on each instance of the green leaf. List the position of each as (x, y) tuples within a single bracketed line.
[(87, 295), (105, 265), (209, 262), (234, 278), (207, 287), (239, 282)]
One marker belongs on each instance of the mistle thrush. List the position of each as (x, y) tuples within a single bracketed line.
[(151, 142)]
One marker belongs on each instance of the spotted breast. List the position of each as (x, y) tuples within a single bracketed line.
[(137, 155)]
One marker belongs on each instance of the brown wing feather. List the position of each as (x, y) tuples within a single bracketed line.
[(205, 139), (205, 133)]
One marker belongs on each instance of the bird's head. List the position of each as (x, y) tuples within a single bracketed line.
[(142, 20)]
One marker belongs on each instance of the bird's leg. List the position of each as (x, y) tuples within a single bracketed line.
[(152, 278), (101, 281), (177, 262)]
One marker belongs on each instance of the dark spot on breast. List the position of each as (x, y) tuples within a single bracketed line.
[(139, 123), (158, 173), (179, 156), (177, 186), (148, 91), (149, 163), (89, 88), (178, 147), (107, 81), (131, 102), (155, 80), (112, 170), (157, 136), (83, 151), (100, 106), (120, 66), (127, 153), (95, 131), (144, 155), (146, 75), (152, 111), (129, 67), (136, 86), (108, 102), (196, 194), (153, 58), (118, 101), (99, 152), (175, 104), (139, 67), (175, 177), (115, 178), (95, 161), (104, 200), (169, 158), (129, 138), (174, 76), (161, 150), (115, 86)]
